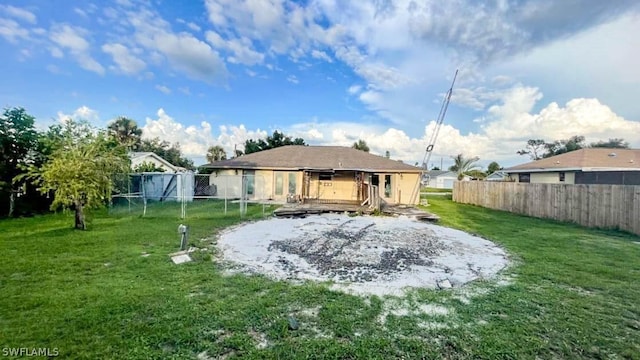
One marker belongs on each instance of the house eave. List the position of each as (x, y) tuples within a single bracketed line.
[(584, 169), (276, 168), (537, 170)]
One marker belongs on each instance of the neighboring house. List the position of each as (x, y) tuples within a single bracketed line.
[(138, 158), (330, 174), (499, 175), (174, 184), (441, 179), (584, 166)]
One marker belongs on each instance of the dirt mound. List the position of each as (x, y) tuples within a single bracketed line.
[(363, 255)]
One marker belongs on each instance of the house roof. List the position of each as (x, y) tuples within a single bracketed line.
[(500, 174), (328, 158), (145, 154), (436, 173), (591, 159)]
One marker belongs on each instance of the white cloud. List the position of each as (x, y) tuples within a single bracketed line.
[(80, 12), (321, 55), (184, 52), (513, 121), (163, 89), (599, 62), (56, 52), (293, 79), (193, 26), (125, 3), (402, 48), (72, 39), (195, 140), (19, 13), (83, 113), (505, 131), (233, 137), (280, 25), (12, 31), (354, 89), (127, 62), (241, 48)]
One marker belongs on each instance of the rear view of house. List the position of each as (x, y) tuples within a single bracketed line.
[(325, 174)]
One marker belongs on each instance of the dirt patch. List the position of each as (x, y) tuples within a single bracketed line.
[(361, 255)]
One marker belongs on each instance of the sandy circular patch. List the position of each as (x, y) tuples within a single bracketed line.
[(362, 255)]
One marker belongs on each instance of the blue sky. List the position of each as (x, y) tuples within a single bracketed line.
[(217, 72)]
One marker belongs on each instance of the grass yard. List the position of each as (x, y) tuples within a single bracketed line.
[(435, 190), (571, 293)]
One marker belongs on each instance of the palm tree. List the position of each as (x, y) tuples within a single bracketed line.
[(126, 132), (216, 153), (462, 165), (360, 145)]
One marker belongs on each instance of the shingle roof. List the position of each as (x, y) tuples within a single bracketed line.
[(436, 173), (134, 155), (296, 157), (586, 159)]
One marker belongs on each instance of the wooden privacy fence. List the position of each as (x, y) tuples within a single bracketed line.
[(601, 206)]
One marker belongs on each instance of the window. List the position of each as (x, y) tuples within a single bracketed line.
[(325, 176), (279, 183), (387, 186), (524, 178), (561, 176), (292, 183)]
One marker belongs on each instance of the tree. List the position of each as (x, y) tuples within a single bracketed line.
[(564, 146), (278, 139), (538, 148), (18, 140), (80, 172), (147, 167), (361, 145), (614, 143), (216, 153), (435, 168), (126, 132), (493, 167), (387, 154), (535, 149), (476, 174), (165, 150), (253, 146), (462, 165)]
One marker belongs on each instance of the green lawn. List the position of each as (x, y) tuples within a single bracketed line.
[(571, 293), (435, 190)]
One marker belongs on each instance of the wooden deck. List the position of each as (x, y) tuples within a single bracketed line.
[(302, 210)]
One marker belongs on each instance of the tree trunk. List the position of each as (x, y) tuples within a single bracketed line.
[(80, 220), (12, 202)]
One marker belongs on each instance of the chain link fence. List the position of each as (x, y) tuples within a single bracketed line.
[(179, 194)]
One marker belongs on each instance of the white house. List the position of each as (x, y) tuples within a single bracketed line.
[(498, 176), (441, 179), (138, 158)]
